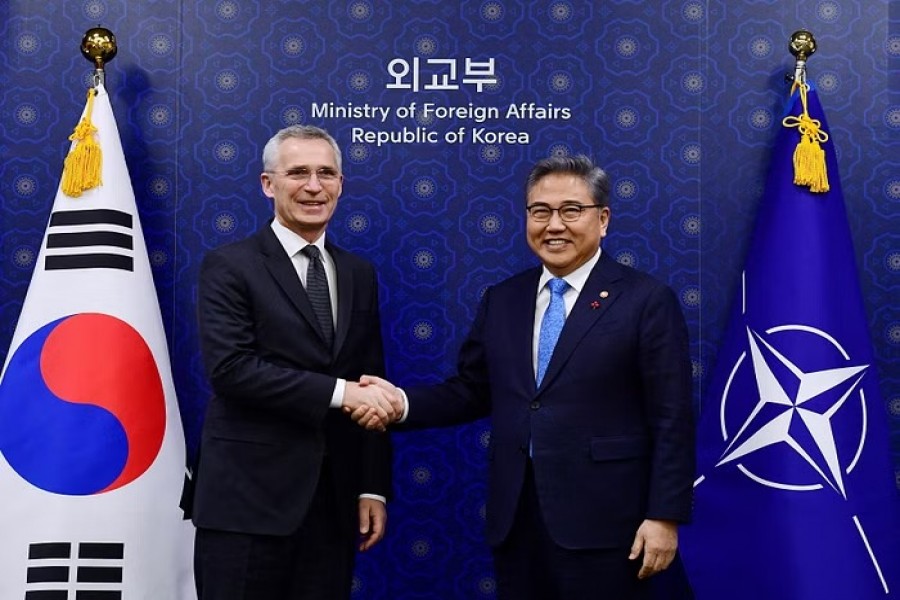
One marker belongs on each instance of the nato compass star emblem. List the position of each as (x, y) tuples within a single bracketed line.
[(793, 415), (787, 402)]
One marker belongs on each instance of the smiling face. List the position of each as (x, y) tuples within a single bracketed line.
[(564, 246), (303, 205)]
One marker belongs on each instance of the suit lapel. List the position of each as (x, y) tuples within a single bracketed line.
[(282, 270), (520, 315), (343, 274), (600, 291)]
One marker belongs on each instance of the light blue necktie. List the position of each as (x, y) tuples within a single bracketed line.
[(551, 325)]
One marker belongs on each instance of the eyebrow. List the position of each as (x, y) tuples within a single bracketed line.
[(308, 168), (561, 204)]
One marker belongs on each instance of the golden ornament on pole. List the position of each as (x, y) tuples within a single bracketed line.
[(84, 164), (809, 157), (802, 44), (99, 46)]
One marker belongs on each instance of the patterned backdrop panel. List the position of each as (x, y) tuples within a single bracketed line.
[(441, 108)]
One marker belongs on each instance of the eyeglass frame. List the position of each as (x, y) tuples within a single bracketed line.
[(303, 175), (571, 205)]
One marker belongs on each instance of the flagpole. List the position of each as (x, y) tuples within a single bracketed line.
[(802, 46), (810, 169), (83, 167), (794, 472), (99, 46), (92, 452)]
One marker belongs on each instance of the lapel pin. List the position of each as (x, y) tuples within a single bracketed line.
[(596, 304)]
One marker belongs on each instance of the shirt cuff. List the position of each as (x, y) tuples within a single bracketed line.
[(337, 396), (405, 406), (381, 499)]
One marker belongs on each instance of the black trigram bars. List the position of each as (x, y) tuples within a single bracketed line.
[(95, 572), (82, 239)]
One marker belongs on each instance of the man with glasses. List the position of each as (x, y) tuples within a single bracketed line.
[(583, 366), (286, 484)]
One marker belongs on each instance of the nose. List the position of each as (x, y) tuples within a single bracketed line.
[(555, 223), (313, 182)]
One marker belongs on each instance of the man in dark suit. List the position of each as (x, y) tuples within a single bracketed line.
[(286, 484), (591, 457)]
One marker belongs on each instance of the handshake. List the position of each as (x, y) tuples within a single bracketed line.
[(373, 403)]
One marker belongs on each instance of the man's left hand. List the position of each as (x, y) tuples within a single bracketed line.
[(658, 540), (372, 521)]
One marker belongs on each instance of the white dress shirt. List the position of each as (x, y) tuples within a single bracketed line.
[(293, 244), (576, 280)]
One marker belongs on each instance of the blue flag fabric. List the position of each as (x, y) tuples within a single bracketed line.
[(795, 498)]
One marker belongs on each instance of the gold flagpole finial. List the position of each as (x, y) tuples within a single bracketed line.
[(802, 46), (83, 166), (99, 46), (809, 156)]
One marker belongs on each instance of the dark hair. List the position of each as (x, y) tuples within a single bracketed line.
[(581, 166)]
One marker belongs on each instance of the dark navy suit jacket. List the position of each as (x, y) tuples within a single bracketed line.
[(611, 427), (269, 424)]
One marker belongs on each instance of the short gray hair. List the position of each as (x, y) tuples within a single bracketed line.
[(300, 132)]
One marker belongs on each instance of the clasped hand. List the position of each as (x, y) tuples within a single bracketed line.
[(373, 402)]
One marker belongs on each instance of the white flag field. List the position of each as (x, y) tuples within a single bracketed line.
[(92, 452)]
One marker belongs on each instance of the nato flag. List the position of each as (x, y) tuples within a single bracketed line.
[(795, 497)]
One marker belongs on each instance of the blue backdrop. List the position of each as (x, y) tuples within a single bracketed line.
[(678, 100)]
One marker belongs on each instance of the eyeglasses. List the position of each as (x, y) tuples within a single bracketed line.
[(542, 213), (302, 174)]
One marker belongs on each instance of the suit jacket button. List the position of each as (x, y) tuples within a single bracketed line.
[(535, 405)]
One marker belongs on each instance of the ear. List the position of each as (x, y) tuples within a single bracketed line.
[(605, 215), (265, 181)]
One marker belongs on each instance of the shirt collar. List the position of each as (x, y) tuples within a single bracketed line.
[(577, 278), (293, 243)]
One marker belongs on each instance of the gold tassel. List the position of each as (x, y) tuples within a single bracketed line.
[(83, 166), (809, 157)]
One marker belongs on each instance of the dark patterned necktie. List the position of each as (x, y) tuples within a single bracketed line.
[(317, 290)]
